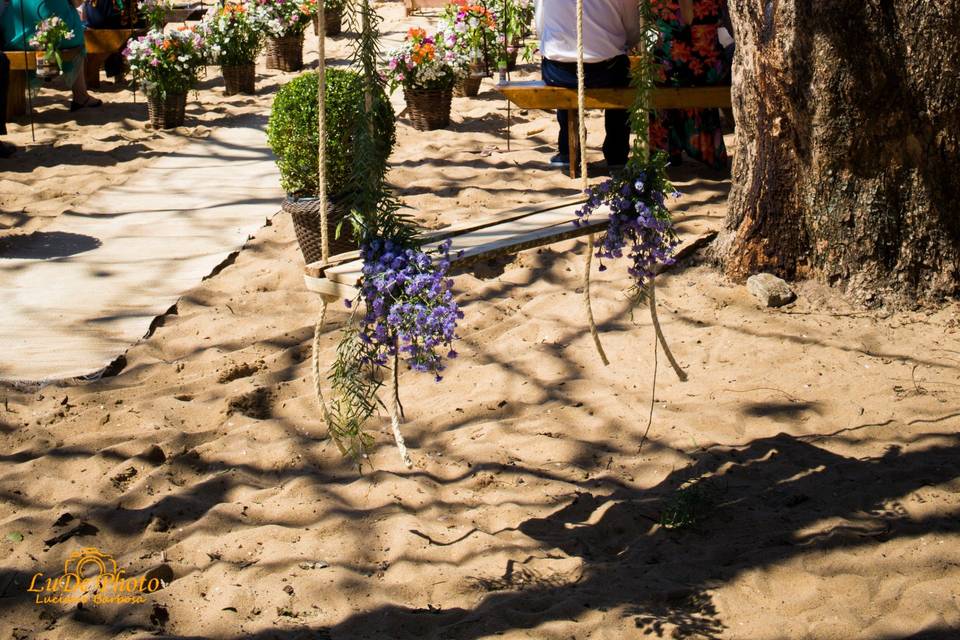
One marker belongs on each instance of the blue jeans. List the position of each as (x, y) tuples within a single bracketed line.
[(614, 72)]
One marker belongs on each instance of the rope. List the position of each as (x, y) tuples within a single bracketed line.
[(582, 143), (652, 302), (322, 130), (581, 97), (586, 301), (395, 414)]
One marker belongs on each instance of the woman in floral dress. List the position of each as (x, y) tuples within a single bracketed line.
[(690, 55)]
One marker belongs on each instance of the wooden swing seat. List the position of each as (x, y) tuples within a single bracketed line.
[(503, 234)]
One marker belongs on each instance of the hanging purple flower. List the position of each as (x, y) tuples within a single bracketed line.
[(410, 308)]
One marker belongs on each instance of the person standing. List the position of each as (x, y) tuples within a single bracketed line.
[(6, 149), (690, 54), (610, 29), (18, 24)]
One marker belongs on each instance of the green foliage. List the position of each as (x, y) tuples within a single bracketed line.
[(293, 133), (355, 381), (642, 79), (687, 506)]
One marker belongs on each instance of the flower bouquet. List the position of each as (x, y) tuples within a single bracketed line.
[(640, 226), (471, 32), (49, 35), (234, 37), (155, 12), (332, 16), (284, 22), (427, 71), (166, 66)]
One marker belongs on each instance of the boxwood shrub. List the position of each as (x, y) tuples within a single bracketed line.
[(293, 133)]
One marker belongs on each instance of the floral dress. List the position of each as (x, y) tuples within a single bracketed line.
[(690, 55)]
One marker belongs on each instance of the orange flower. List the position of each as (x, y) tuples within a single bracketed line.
[(416, 33)]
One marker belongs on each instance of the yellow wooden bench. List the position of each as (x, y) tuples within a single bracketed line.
[(413, 5), (534, 94), (20, 63)]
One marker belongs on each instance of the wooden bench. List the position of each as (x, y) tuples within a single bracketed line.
[(20, 63), (101, 44), (534, 94), (413, 5)]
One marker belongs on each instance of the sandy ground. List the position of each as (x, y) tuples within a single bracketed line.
[(813, 450)]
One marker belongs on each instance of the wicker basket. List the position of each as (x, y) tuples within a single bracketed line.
[(467, 86), (286, 52), (241, 78), (305, 213), (428, 108), (167, 112), (334, 20)]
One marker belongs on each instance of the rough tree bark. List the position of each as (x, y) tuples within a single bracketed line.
[(847, 163)]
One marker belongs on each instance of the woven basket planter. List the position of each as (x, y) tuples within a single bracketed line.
[(305, 213), (285, 53), (241, 78), (428, 108), (167, 112), (467, 87), (334, 20)]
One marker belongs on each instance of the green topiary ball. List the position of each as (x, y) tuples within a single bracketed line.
[(293, 132)]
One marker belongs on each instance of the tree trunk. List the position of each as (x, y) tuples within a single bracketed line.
[(847, 164)]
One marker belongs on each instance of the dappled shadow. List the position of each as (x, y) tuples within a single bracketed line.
[(42, 245)]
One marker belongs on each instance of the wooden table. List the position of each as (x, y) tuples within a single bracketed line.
[(534, 94), (20, 63)]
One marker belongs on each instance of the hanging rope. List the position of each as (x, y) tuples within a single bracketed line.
[(395, 414), (322, 193), (322, 130), (652, 302), (582, 143)]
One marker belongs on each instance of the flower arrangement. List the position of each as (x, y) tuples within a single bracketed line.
[(473, 26), (285, 17), (410, 310), (329, 6), (166, 63), (50, 33), (232, 33), (640, 223), (422, 62), (154, 12)]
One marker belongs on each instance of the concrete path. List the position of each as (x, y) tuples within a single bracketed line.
[(78, 294)]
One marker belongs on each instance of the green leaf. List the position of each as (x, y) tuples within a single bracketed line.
[(15, 536)]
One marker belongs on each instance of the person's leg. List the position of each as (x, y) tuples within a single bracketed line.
[(81, 97), (79, 87), (613, 73), (557, 74), (616, 144), (563, 141)]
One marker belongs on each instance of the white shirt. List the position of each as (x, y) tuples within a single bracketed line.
[(610, 27)]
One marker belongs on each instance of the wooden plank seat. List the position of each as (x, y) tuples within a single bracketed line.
[(100, 45), (20, 63), (414, 5), (503, 234), (534, 94)]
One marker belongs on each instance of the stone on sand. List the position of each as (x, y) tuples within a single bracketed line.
[(770, 290)]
